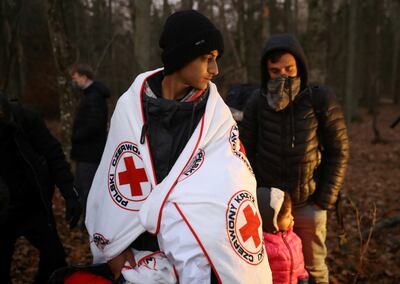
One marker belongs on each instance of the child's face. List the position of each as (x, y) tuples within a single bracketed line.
[(286, 222)]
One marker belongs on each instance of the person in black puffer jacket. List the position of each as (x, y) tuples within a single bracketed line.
[(296, 139), (31, 164), (89, 132)]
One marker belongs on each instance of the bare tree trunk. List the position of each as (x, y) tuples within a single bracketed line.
[(376, 83), (141, 36), (317, 39), (240, 8), (187, 4), (8, 40), (350, 61), (203, 6), (64, 56), (266, 22), (273, 19), (236, 54), (112, 73), (395, 15), (166, 9), (331, 42), (289, 18), (295, 16)]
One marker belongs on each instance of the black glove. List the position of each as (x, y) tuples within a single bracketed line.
[(73, 209)]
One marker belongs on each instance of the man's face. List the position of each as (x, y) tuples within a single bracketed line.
[(200, 71), (79, 79), (286, 65)]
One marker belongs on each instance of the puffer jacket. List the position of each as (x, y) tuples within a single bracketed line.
[(285, 257), (296, 149)]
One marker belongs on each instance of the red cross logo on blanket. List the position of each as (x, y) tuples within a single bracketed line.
[(128, 183), (250, 230), (243, 227), (132, 176)]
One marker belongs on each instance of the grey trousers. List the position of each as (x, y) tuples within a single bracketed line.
[(84, 175), (310, 226)]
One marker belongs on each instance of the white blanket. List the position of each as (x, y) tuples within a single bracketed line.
[(211, 185)]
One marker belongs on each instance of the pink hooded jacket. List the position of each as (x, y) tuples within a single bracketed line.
[(285, 257)]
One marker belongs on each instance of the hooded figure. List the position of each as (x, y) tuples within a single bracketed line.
[(296, 140)]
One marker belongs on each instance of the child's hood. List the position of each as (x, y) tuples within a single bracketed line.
[(269, 204)]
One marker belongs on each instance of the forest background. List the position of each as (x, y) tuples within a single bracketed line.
[(352, 45)]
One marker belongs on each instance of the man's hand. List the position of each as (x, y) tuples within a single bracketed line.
[(118, 262), (73, 211)]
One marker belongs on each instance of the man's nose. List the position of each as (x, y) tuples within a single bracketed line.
[(213, 68), (284, 73)]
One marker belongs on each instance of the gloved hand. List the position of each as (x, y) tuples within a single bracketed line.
[(73, 209)]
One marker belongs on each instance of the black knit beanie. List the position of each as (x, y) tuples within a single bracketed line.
[(186, 36)]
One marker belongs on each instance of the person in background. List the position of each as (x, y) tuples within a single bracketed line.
[(89, 131), (296, 140), (32, 163)]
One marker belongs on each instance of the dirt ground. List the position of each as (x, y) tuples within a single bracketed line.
[(372, 180)]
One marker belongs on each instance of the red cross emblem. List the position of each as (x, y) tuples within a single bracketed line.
[(132, 176), (250, 230)]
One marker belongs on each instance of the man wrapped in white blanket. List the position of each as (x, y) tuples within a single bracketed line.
[(173, 166)]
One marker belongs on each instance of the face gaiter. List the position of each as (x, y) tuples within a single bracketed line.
[(282, 90)]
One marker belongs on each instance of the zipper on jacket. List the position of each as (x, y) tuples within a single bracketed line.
[(291, 256), (36, 181)]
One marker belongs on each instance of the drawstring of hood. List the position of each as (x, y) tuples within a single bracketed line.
[(292, 124)]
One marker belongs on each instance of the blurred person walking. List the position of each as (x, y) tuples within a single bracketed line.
[(89, 131)]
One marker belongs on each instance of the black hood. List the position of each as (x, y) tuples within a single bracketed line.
[(289, 43), (99, 88)]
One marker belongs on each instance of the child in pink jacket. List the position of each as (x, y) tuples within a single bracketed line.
[(283, 246)]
